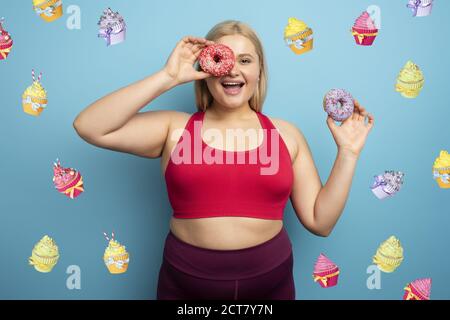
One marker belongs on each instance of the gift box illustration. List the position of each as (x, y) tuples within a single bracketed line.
[(112, 27), (420, 8), (387, 184)]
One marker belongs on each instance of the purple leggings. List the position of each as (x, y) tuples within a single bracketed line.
[(261, 272)]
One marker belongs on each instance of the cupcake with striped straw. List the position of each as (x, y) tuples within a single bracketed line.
[(34, 98), (387, 184), (116, 257)]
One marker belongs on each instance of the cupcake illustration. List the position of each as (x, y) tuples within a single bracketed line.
[(116, 257), (387, 184), (410, 80), (418, 290), (364, 30), (67, 181), (389, 255), (298, 36), (420, 8), (44, 255), (325, 272), (6, 42), (48, 10), (441, 169), (112, 27), (34, 98)]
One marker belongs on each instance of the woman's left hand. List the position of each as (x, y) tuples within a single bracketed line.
[(352, 133)]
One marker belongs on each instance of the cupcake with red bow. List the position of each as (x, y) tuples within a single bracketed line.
[(418, 290), (325, 272), (5, 41), (67, 181), (364, 30)]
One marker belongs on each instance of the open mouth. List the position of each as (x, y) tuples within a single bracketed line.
[(232, 87)]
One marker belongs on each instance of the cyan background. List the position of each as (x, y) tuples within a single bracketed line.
[(127, 194)]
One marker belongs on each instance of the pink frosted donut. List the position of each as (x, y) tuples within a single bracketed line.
[(338, 103), (217, 59)]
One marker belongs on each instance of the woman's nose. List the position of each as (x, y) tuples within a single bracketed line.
[(235, 70)]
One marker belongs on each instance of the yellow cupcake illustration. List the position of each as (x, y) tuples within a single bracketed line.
[(44, 255), (410, 80), (298, 36), (389, 255), (441, 169), (48, 10), (34, 98), (116, 257)]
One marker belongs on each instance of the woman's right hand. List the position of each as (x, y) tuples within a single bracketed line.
[(180, 64)]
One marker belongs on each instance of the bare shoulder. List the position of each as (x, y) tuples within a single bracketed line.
[(169, 116), (291, 134), (179, 118)]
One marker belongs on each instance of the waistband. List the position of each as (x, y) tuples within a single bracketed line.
[(227, 264)]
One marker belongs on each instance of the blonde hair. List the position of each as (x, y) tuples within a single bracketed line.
[(203, 97)]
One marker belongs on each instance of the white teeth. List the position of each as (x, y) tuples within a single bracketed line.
[(232, 83)]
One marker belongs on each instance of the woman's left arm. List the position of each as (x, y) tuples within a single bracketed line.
[(319, 207)]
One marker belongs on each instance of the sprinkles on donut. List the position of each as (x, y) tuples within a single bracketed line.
[(217, 59), (338, 103)]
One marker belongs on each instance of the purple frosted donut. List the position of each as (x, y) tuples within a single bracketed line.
[(338, 103)]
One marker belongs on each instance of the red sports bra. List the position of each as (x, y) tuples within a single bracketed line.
[(206, 182)]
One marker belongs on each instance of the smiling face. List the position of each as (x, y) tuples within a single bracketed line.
[(235, 89)]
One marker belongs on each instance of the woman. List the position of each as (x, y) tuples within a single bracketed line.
[(226, 238)]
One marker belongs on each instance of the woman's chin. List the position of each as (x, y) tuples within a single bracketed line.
[(233, 102)]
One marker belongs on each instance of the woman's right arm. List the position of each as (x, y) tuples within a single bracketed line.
[(114, 122)]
